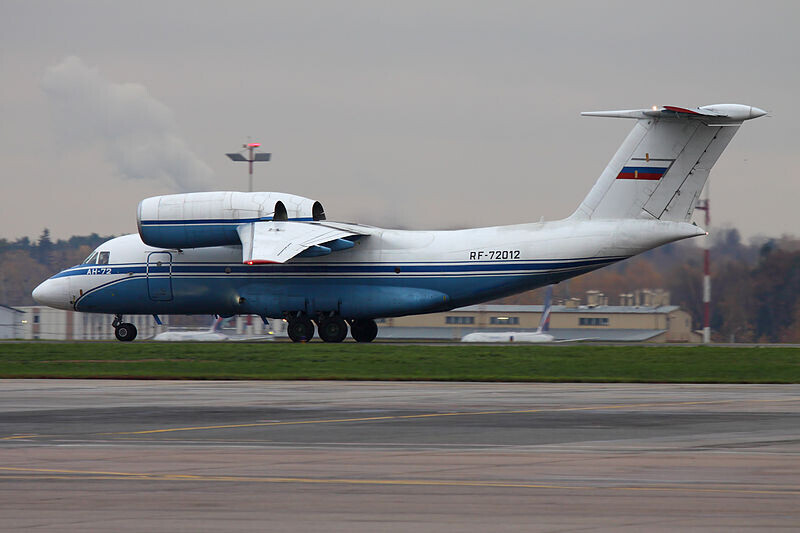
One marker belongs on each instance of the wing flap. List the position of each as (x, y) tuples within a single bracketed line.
[(277, 242)]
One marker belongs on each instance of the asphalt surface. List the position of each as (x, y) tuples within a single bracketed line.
[(100, 455)]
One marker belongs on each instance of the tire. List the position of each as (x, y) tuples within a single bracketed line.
[(300, 330), (333, 329), (364, 330), (125, 332)]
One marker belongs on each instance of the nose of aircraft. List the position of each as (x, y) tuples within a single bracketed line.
[(52, 293)]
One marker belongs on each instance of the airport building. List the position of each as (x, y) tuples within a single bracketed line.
[(10, 322), (45, 323), (643, 316)]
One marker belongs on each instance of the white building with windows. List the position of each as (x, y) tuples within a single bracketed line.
[(37, 322), (11, 322), (45, 323)]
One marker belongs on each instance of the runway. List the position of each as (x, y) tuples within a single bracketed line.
[(97, 455)]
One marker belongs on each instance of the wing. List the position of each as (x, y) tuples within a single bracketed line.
[(277, 242)]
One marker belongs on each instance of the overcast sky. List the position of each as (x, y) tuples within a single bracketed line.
[(415, 114)]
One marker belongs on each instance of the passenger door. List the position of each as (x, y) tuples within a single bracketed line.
[(159, 276)]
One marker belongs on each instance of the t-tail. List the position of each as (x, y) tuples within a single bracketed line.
[(662, 166), (544, 323)]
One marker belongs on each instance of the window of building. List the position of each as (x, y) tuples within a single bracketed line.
[(459, 320), (504, 320), (35, 319), (592, 321)]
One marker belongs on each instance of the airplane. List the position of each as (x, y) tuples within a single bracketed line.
[(540, 335), (212, 334), (277, 256)]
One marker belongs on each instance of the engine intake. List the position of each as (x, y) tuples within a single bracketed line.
[(202, 219)]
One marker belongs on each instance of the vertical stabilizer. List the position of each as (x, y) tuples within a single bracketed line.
[(544, 323), (662, 166)]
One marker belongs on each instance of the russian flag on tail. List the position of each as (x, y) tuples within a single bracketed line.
[(642, 173)]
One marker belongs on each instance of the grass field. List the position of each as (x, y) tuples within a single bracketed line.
[(577, 363)]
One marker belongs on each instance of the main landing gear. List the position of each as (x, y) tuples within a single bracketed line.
[(331, 328), (300, 329), (123, 331), (364, 330)]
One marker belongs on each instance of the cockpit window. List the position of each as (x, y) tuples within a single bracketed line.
[(102, 259), (91, 259)]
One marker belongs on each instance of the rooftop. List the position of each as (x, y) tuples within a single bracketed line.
[(640, 309)]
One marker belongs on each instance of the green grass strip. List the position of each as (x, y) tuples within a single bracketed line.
[(273, 361)]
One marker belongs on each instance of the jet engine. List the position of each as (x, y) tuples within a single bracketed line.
[(201, 219)]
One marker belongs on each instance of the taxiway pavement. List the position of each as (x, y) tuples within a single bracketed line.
[(97, 455)]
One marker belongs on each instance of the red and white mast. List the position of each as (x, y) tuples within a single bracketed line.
[(704, 205)]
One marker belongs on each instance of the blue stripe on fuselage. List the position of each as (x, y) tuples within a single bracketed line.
[(204, 221), (207, 288), (300, 268)]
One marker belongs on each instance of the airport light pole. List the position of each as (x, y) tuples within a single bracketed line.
[(704, 205), (251, 158)]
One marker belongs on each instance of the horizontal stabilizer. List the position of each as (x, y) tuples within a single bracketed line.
[(277, 242), (719, 113)]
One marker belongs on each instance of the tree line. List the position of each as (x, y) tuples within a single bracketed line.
[(755, 286), (25, 263)]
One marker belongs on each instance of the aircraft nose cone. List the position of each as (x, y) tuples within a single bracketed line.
[(756, 112), (51, 293)]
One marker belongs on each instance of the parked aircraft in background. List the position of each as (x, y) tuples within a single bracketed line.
[(540, 335), (212, 334), (277, 256)]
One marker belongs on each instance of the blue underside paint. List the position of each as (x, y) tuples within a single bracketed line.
[(354, 290)]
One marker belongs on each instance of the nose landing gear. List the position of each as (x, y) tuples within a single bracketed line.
[(123, 331)]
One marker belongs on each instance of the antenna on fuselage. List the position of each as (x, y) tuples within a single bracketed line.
[(251, 158)]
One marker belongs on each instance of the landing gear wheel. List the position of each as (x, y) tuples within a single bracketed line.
[(364, 330), (300, 329), (333, 329), (125, 332)]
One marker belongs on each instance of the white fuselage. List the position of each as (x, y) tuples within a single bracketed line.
[(387, 273)]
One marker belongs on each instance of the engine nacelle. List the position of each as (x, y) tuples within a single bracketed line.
[(201, 219)]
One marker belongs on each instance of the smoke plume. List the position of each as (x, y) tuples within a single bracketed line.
[(136, 132)]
